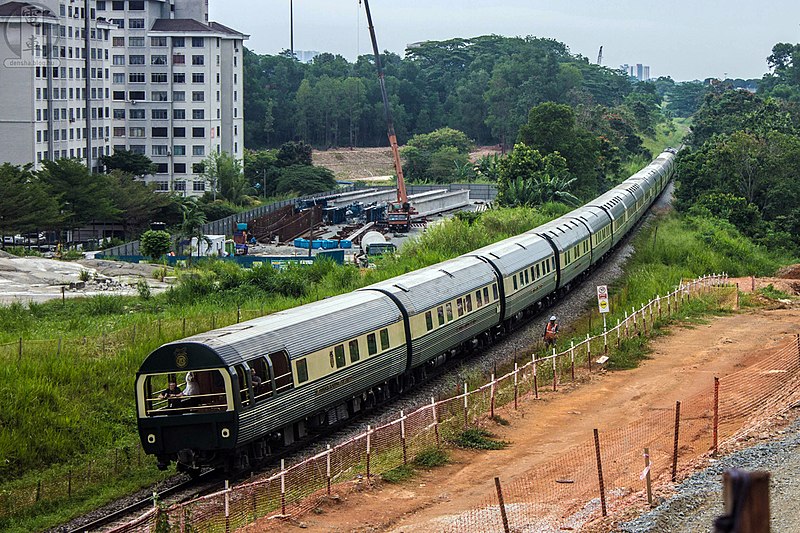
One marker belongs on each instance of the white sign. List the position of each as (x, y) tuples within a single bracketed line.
[(602, 299)]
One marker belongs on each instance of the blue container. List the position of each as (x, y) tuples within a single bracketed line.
[(328, 244), (316, 244), (241, 226), (346, 244), (301, 243)]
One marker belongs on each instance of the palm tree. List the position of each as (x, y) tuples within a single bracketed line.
[(191, 226)]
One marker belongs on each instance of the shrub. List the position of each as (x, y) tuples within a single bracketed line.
[(155, 244), (478, 439), (144, 290)]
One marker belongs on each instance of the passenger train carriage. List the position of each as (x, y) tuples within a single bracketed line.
[(264, 383)]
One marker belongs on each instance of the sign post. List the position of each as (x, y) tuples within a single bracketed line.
[(602, 302)]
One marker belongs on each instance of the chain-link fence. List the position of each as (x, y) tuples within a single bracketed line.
[(556, 494)]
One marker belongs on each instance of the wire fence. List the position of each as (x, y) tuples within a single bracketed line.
[(587, 481)]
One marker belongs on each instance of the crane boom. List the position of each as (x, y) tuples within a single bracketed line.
[(402, 196)]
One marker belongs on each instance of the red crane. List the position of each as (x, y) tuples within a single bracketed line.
[(399, 213)]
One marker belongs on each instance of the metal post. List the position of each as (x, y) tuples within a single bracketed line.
[(555, 372), (535, 378), (328, 468), (516, 384), (403, 436), (627, 331), (283, 484), (600, 472), (228, 504), (675, 446), (466, 407), (589, 352), (572, 357), (369, 449), (618, 333), (506, 529), (491, 400), (605, 335), (716, 415), (435, 421)]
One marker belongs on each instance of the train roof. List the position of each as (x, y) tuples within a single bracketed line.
[(298, 331), (515, 253), (593, 216), (428, 287), (616, 201), (564, 231)]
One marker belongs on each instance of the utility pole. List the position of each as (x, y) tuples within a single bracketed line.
[(265, 184), (291, 26)]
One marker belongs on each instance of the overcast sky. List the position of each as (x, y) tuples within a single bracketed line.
[(681, 38)]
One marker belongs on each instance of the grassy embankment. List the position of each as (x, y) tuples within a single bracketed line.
[(71, 409), (667, 135)]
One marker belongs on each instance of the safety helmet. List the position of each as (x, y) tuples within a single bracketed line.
[(553, 317)]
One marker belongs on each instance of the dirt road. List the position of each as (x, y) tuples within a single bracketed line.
[(681, 365)]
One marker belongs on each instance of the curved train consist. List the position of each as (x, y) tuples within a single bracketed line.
[(262, 384)]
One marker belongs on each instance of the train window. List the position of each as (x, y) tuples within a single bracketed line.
[(440, 315), (527, 278), (241, 382), (460, 306), (494, 292), (538, 274), (478, 299), (353, 345), (282, 371), (486, 294), (372, 344), (429, 320), (514, 277), (302, 371), (338, 352), (206, 388), (468, 302), (384, 339), (262, 382), (449, 307)]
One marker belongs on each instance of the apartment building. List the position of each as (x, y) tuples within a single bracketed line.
[(167, 82)]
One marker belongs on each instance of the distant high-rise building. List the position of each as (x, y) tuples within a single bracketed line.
[(305, 56), (159, 79), (639, 71)]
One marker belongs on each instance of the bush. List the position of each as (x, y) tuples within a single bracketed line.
[(143, 289), (155, 244), (478, 439), (431, 457)]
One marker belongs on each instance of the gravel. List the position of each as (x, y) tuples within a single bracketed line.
[(698, 499)]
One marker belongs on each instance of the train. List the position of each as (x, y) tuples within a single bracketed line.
[(253, 388)]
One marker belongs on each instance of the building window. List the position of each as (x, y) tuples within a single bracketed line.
[(179, 149), (158, 60), (159, 96), (136, 132), (198, 149), (117, 41), (136, 114), (198, 77), (136, 24), (179, 77), (198, 60), (158, 77), (160, 114), (101, 5), (119, 22), (118, 60), (136, 60), (180, 185), (136, 41), (178, 59), (179, 168), (138, 149), (159, 132), (198, 133), (198, 96), (160, 150), (178, 42), (198, 42), (118, 5), (136, 5), (119, 114), (158, 41), (118, 95), (199, 186), (136, 77), (119, 132), (136, 95), (119, 77), (179, 114), (198, 114), (197, 168), (178, 96), (162, 168), (179, 132)]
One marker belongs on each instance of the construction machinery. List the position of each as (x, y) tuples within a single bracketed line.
[(398, 215)]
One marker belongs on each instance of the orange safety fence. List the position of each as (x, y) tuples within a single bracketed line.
[(559, 492)]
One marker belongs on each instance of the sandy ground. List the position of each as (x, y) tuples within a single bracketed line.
[(681, 364)]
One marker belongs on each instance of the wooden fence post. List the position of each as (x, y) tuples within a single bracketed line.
[(589, 352), (369, 449), (435, 421), (328, 468), (283, 484), (403, 436), (572, 357), (647, 476), (491, 398), (503, 515), (716, 415), (600, 473), (675, 446), (228, 506), (516, 384), (466, 406), (751, 508), (555, 372), (535, 378)]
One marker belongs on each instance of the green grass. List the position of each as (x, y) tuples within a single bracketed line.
[(772, 293), (431, 457), (398, 474), (478, 439)]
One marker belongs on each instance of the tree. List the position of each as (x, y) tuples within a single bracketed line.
[(529, 179), (224, 172), (155, 244), (305, 179), (192, 222), (261, 170), (436, 156), (25, 204), (293, 153), (130, 162), (138, 203)]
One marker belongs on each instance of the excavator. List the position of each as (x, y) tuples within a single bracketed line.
[(399, 213)]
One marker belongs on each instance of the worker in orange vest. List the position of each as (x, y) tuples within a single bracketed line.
[(550, 332)]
